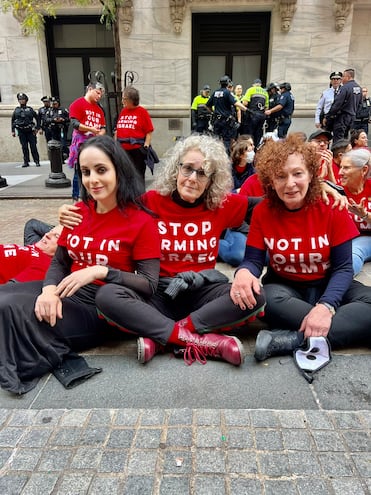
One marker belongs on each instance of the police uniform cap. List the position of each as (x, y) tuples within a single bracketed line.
[(320, 132), (206, 87), (45, 98), (22, 96), (336, 75), (54, 99)]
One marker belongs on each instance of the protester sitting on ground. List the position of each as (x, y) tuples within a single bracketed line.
[(321, 140), (358, 139), (193, 204), (353, 174), (116, 242), (309, 284), (338, 149), (242, 158), (233, 241), (29, 262)]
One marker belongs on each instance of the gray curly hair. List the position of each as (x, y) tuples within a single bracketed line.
[(217, 165)]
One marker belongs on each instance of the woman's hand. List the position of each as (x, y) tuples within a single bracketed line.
[(244, 285), (358, 209), (340, 201), (75, 280), (317, 323), (48, 306), (69, 217)]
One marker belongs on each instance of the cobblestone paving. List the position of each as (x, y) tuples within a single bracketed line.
[(15, 213), (184, 451)]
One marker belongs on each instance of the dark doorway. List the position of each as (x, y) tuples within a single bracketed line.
[(79, 47), (234, 44)]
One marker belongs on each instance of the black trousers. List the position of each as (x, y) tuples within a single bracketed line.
[(210, 308), (287, 305), (28, 138)]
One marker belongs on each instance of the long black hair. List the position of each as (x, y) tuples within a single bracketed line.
[(129, 183)]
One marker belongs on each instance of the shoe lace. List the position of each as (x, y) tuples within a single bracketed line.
[(194, 352)]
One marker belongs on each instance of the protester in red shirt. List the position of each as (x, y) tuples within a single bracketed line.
[(117, 242), (309, 284), (134, 129), (28, 263)]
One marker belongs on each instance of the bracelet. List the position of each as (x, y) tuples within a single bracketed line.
[(364, 216)]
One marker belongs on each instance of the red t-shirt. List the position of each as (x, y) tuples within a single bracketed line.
[(190, 236), (23, 263), (114, 239), (252, 187), (134, 123), (299, 242), (89, 114), (363, 227)]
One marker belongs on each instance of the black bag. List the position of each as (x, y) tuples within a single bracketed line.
[(151, 158)]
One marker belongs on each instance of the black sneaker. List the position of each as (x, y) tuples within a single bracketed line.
[(25, 165), (37, 164)]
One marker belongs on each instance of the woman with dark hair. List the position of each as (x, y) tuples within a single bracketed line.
[(134, 129), (116, 242), (358, 139), (309, 284)]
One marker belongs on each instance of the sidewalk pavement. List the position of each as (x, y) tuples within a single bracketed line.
[(167, 428)]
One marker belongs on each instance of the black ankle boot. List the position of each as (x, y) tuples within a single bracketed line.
[(276, 343)]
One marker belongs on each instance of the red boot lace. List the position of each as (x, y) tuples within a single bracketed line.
[(197, 351)]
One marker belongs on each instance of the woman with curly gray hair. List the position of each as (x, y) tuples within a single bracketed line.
[(193, 206)]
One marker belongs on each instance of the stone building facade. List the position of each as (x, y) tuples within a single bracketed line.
[(306, 40)]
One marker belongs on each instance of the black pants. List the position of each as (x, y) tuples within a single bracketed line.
[(28, 138), (287, 305), (210, 308), (342, 125), (254, 126), (138, 155), (29, 348)]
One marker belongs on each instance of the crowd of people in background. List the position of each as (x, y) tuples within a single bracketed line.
[(240, 189)]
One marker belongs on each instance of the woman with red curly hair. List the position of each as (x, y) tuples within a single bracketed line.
[(309, 284)]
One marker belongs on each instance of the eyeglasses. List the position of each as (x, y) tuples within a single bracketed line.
[(187, 170), (336, 78)]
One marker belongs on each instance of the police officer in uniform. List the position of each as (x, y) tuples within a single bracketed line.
[(257, 101), (224, 102), (274, 94), (42, 118), (283, 110), (57, 120), (200, 115), (363, 115), (25, 124), (342, 113)]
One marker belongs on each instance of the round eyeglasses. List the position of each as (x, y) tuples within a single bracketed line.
[(187, 170)]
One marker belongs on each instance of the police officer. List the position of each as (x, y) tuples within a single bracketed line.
[(363, 115), (274, 94), (57, 120), (342, 113), (283, 110), (257, 101), (200, 115), (25, 124), (224, 102), (42, 118)]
